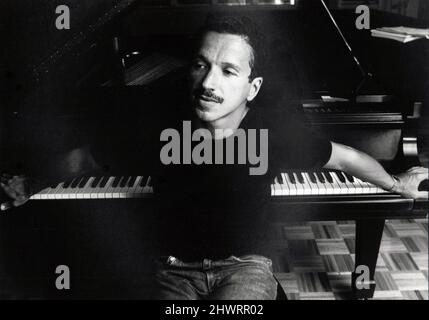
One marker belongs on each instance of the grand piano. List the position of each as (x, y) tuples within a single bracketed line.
[(96, 226)]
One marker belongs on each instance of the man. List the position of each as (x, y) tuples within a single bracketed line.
[(213, 238)]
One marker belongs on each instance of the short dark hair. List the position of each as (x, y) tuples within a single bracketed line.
[(243, 26)]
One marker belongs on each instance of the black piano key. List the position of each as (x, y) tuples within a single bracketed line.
[(340, 176), (131, 181), (67, 183), (143, 181), (321, 177), (328, 176), (123, 182), (300, 177), (83, 182), (75, 182), (291, 178), (280, 179), (116, 181), (312, 176), (103, 182), (149, 181), (349, 177), (95, 182)]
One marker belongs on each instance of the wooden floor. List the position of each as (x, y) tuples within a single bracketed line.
[(314, 260)]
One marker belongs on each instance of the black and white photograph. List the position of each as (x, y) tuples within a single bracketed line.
[(214, 150)]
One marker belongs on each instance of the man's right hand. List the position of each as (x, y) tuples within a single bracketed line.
[(17, 188)]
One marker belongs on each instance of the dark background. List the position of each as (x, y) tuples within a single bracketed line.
[(51, 101)]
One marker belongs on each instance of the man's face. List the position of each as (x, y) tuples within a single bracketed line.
[(220, 84)]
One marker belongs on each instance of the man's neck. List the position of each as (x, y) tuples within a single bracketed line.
[(225, 126)]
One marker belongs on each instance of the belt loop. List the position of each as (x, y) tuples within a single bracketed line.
[(207, 264)]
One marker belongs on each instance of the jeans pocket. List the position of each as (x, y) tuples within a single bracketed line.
[(257, 259)]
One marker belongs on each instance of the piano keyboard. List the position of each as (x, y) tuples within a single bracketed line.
[(290, 183), (320, 183), (99, 188)]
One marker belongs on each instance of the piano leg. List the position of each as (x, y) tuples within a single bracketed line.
[(368, 238)]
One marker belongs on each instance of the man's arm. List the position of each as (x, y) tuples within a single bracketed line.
[(364, 167), (19, 188)]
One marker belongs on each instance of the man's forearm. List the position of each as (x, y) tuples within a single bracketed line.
[(360, 165)]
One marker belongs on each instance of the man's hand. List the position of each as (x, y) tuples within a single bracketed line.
[(15, 187), (408, 185)]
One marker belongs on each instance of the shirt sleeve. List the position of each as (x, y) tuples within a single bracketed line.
[(295, 145)]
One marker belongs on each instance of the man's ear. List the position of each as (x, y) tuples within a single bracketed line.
[(255, 86)]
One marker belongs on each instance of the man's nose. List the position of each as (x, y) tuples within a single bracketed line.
[(210, 80)]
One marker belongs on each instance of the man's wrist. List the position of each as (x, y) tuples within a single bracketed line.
[(396, 186)]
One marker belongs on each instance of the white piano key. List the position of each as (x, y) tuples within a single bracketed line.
[(364, 186), (314, 187), (335, 183), (353, 187), (306, 186), (88, 189), (321, 186), (299, 187), (123, 191), (148, 188), (277, 187), (108, 193), (136, 189), (96, 190), (291, 186)]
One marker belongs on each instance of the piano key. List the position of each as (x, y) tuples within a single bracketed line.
[(108, 193), (354, 187), (116, 181), (340, 176), (367, 188), (343, 186), (148, 188), (131, 181), (68, 182), (123, 190), (123, 182), (320, 176), (95, 187), (312, 177), (291, 186), (336, 183), (322, 186), (314, 187), (83, 182), (135, 190), (75, 182), (277, 187), (291, 177), (327, 176), (143, 181), (86, 190), (300, 177), (299, 186), (306, 186), (96, 181), (349, 177), (103, 182), (55, 190)]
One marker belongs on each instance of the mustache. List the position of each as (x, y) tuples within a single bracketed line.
[(208, 94)]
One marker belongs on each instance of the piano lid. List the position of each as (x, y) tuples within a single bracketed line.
[(303, 31)]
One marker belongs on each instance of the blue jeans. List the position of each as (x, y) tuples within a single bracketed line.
[(235, 278)]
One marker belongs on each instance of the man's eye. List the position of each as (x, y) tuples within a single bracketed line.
[(199, 66), (229, 72)]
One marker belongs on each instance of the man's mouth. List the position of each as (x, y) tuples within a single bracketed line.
[(208, 99)]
